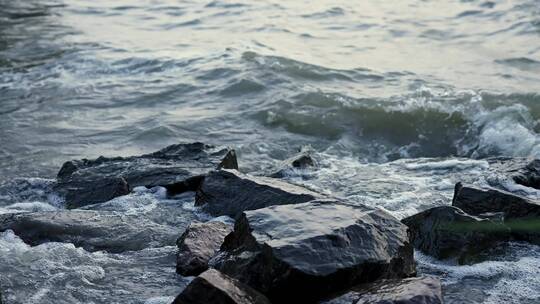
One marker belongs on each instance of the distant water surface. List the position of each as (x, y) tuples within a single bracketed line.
[(401, 99)]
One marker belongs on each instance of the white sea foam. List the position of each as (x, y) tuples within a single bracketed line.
[(513, 278), (61, 273)]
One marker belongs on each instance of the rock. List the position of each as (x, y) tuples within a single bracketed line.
[(524, 171), (216, 288), (448, 232), (229, 192), (302, 160), (198, 244), (421, 290), (303, 252), (91, 230), (521, 215), (178, 168), (81, 193)]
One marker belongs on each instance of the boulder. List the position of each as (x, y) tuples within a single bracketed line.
[(91, 230), (448, 232), (302, 160), (198, 244), (524, 171), (178, 168), (421, 290), (521, 215), (301, 253), (216, 288), (229, 192)]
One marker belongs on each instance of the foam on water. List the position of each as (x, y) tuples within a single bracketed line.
[(403, 187), (401, 99), (27, 195), (61, 273), (513, 277)]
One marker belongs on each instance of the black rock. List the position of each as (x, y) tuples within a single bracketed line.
[(521, 215), (303, 252), (213, 287), (229, 192), (178, 167), (524, 171), (302, 160), (421, 290), (91, 230), (198, 244), (448, 232)]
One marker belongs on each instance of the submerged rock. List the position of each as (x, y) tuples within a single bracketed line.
[(198, 244), (303, 252), (421, 290), (521, 215), (216, 288), (229, 192), (448, 232), (178, 168), (91, 230), (302, 160)]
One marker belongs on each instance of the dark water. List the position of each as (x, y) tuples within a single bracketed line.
[(400, 99)]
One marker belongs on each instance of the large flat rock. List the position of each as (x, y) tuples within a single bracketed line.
[(301, 253), (213, 287), (178, 168), (198, 244), (421, 290), (229, 192), (91, 230), (447, 232), (521, 215)]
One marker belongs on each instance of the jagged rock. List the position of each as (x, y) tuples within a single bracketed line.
[(216, 288), (178, 168), (524, 171), (302, 160), (301, 253), (91, 230), (229, 192), (448, 232), (421, 290), (521, 215), (198, 244)]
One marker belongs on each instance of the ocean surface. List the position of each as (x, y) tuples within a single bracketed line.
[(400, 100)]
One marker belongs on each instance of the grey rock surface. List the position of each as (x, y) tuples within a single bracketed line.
[(198, 244), (421, 290), (213, 287), (520, 214), (91, 230), (229, 192), (178, 167), (448, 232), (302, 252)]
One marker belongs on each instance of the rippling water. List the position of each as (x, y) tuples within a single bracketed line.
[(401, 100)]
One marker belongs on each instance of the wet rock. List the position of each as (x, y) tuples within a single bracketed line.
[(229, 192), (91, 230), (216, 288), (198, 244), (521, 215), (421, 290), (302, 160), (78, 192), (524, 171), (303, 252), (448, 232), (178, 168)]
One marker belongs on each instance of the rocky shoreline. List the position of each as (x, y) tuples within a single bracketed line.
[(288, 244)]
